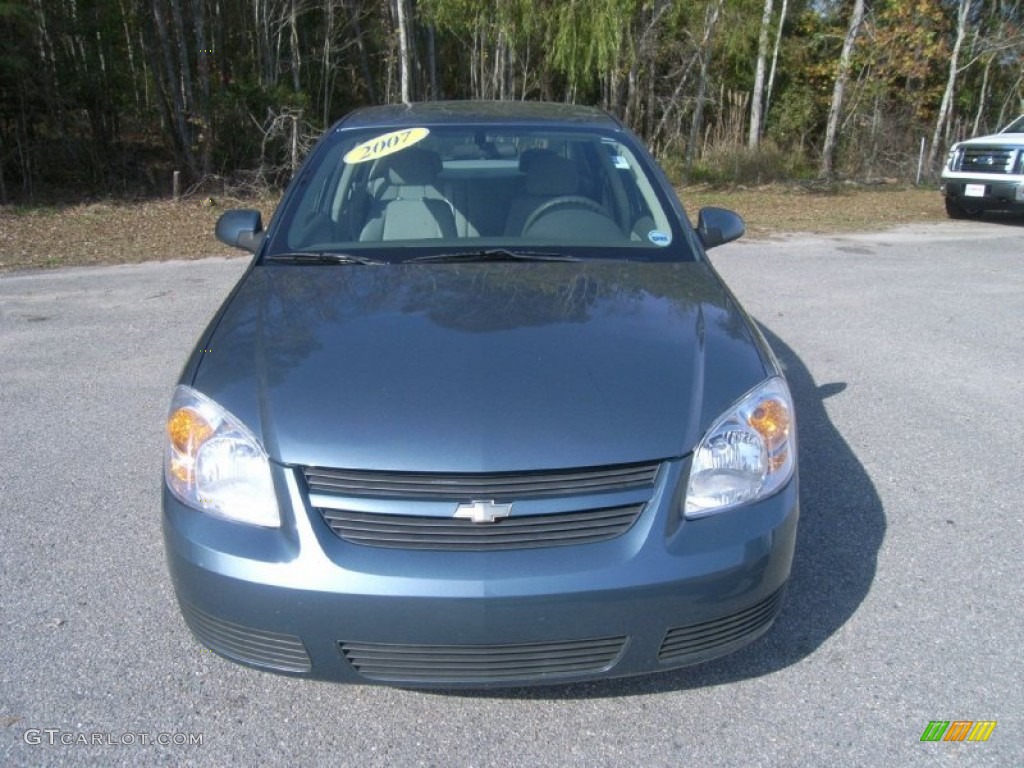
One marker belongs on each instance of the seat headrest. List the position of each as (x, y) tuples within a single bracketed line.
[(413, 166), (532, 156), (548, 174)]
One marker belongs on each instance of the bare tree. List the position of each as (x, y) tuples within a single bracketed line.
[(435, 93), (775, 59), (293, 41), (364, 54), (828, 151), (168, 82), (203, 55), (982, 98), (758, 96), (326, 63), (404, 58), (710, 20), (947, 96)]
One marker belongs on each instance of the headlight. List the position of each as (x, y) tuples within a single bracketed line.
[(746, 455), (953, 158), (214, 464)]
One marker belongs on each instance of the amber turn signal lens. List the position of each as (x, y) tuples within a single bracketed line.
[(187, 430), (778, 461), (181, 469), (771, 420)]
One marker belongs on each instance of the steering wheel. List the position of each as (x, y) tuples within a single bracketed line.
[(576, 201)]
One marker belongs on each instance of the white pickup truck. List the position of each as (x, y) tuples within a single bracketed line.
[(986, 173)]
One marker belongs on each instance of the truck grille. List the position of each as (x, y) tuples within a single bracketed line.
[(986, 160)]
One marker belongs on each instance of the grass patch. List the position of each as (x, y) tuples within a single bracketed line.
[(115, 232), (776, 209)]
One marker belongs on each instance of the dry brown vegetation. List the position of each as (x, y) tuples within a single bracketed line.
[(115, 232), (777, 209), (128, 232)]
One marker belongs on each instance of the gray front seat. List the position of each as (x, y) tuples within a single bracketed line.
[(409, 206), (548, 175)]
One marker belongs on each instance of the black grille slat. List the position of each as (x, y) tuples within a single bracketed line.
[(481, 663), (730, 624), (705, 636), (412, 538), (413, 542), (461, 652), (708, 640), (402, 531), (496, 486), (475, 678), (374, 522)]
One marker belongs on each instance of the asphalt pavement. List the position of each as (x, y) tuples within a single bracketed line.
[(905, 354)]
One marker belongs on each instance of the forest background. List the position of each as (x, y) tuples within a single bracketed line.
[(109, 97)]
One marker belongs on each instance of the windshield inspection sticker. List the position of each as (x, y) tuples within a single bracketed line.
[(659, 238), (385, 144)]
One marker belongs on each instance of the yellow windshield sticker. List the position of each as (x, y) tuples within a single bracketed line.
[(386, 144)]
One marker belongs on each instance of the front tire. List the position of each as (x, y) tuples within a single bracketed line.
[(956, 211)]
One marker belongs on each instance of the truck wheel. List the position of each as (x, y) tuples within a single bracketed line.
[(956, 211)]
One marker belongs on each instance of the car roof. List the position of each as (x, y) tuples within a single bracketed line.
[(477, 113)]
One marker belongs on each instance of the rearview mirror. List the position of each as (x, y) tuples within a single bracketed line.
[(718, 226), (241, 229)]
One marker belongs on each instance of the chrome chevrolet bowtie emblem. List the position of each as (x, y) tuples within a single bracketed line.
[(483, 511)]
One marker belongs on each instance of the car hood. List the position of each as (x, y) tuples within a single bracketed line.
[(1001, 139), (479, 367)]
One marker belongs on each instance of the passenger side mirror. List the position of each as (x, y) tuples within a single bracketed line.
[(717, 226), (241, 229)]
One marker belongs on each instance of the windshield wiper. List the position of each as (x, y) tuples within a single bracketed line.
[(323, 257), (494, 254)]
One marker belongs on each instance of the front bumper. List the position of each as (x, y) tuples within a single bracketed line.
[(999, 193), (299, 600)]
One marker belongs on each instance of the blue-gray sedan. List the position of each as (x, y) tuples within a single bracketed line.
[(479, 413)]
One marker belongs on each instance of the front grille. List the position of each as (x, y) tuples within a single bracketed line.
[(495, 486), (566, 506), (707, 637), (408, 532), (482, 664), (273, 650), (987, 160)]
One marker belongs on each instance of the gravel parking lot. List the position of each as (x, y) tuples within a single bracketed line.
[(905, 355)]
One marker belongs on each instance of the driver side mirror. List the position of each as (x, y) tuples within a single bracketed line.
[(241, 229), (718, 226)]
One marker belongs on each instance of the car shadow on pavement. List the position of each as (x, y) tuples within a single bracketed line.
[(842, 525)]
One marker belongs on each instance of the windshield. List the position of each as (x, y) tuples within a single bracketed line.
[(394, 195), (1017, 126)]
